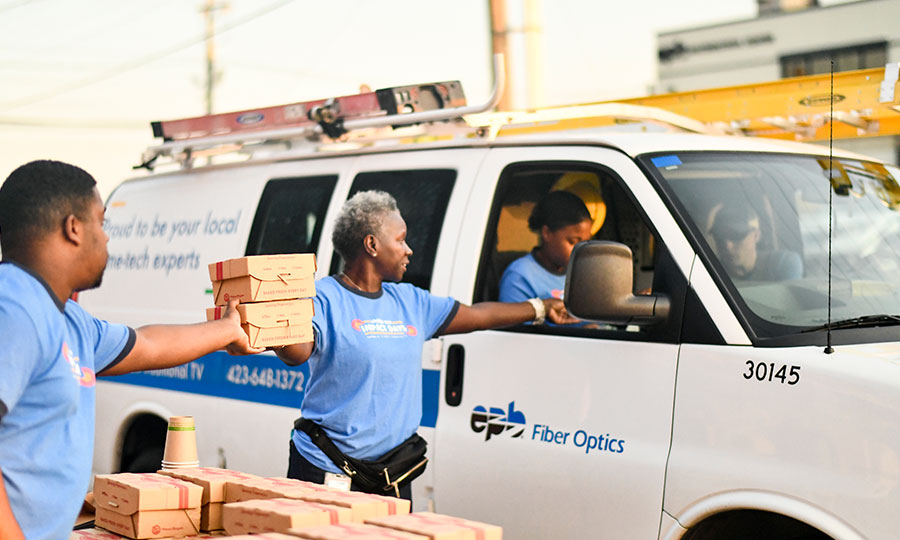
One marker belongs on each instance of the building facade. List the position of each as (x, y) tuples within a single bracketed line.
[(786, 40)]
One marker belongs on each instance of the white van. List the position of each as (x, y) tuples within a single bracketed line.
[(704, 407)]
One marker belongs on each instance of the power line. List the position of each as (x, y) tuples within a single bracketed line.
[(16, 4), (128, 66), (71, 124)]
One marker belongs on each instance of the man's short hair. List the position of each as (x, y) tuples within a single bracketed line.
[(37, 197)]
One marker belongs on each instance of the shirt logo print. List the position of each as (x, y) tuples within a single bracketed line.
[(84, 376), (380, 328)]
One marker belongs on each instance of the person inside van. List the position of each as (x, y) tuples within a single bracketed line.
[(736, 234), (52, 350), (364, 395), (561, 220)]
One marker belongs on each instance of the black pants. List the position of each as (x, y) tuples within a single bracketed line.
[(301, 469)]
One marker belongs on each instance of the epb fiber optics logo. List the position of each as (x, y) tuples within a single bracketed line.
[(496, 421), (511, 423)]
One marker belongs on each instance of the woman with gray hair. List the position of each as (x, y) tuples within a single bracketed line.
[(364, 396)]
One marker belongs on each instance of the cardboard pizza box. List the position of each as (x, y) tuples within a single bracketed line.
[(262, 278), (279, 515), (127, 493), (273, 324), (211, 479), (263, 536), (440, 527), (151, 523), (363, 505), (266, 267), (211, 517), (94, 533), (268, 488), (354, 531)]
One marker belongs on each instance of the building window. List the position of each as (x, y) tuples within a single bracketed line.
[(870, 55)]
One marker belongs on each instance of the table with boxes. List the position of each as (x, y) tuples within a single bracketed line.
[(206, 502), (275, 294)]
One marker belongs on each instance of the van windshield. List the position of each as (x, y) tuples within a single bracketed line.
[(763, 223)]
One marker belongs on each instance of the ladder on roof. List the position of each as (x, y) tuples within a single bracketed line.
[(437, 110), (333, 118), (866, 104)]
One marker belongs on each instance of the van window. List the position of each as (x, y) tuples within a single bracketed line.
[(762, 221), (290, 215), (613, 216), (422, 197)]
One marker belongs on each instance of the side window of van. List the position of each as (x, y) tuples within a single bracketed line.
[(612, 214), (290, 215), (422, 197)]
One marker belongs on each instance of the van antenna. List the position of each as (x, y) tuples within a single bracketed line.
[(828, 348)]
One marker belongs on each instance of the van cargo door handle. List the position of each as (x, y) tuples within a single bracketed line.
[(456, 362)]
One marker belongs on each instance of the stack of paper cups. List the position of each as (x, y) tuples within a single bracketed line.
[(181, 444)]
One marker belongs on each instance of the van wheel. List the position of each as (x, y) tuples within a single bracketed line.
[(143, 445), (149, 460), (752, 525)]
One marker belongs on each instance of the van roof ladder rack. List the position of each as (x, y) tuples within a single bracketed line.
[(331, 118)]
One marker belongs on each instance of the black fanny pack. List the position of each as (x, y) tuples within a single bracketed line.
[(386, 474)]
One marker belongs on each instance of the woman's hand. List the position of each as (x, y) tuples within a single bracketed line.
[(557, 313)]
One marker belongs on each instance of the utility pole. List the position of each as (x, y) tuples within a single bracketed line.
[(521, 43), (212, 76), (534, 53), (499, 43)]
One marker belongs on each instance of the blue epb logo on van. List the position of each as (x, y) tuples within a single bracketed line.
[(510, 423), (495, 421)]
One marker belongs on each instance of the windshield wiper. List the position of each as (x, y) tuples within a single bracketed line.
[(866, 321)]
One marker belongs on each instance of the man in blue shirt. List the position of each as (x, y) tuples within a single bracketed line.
[(51, 350)]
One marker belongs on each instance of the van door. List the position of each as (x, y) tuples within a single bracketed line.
[(560, 432), (431, 189)]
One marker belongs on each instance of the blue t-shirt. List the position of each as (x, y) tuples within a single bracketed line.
[(49, 358), (525, 278), (365, 373)]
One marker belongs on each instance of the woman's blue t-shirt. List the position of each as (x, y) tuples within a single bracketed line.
[(365, 385), (525, 278)]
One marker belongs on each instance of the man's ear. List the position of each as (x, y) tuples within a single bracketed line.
[(73, 229)]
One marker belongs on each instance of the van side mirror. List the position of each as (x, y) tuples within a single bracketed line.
[(600, 283)]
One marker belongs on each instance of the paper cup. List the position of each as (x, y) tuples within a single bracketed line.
[(181, 444), (180, 465)]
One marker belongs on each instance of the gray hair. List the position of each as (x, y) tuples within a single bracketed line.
[(362, 215)]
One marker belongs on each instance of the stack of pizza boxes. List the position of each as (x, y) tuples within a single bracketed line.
[(275, 294), (204, 500), (212, 480), (147, 505), (282, 504)]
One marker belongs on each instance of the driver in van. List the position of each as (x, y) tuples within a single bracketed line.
[(51, 350), (736, 233), (365, 386), (562, 220)]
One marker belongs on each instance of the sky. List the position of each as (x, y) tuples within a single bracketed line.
[(80, 81)]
